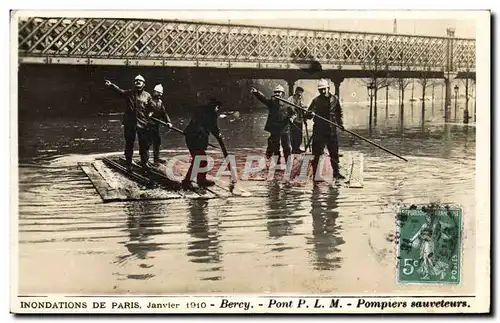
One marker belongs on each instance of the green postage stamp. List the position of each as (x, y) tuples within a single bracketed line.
[(429, 248)]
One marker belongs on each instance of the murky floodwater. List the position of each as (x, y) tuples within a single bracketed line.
[(297, 239)]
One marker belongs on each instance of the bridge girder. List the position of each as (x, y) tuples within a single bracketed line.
[(134, 42)]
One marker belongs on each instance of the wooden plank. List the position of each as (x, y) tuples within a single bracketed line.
[(353, 166), (219, 191), (130, 189), (106, 192), (161, 178), (110, 180), (204, 193), (154, 194), (154, 174), (131, 174), (236, 191)]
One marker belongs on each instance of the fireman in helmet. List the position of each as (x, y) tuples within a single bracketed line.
[(157, 110), (135, 118), (278, 122), (327, 106)]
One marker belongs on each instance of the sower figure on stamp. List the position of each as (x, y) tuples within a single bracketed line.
[(157, 110), (297, 126), (278, 123), (203, 123), (135, 119), (324, 134), (435, 239)]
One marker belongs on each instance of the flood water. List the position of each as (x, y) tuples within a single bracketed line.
[(296, 239)]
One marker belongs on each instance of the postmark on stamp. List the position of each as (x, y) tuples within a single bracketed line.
[(429, 248)]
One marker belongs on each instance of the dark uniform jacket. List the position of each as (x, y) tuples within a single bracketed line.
[(299, 112), (159, 112), (203, 123), (278, 118), (137, 107), (328, 108)]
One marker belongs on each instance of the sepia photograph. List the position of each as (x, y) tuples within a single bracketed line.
[(250, 161)]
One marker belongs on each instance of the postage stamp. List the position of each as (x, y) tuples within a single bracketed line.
[(429, 248)]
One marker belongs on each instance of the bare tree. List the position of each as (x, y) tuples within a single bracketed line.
[(401, 83), (433, 84), (390, 82), (377, 68), (469, 83), (424, 81)]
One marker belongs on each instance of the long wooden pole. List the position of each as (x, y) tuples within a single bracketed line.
[(175, 129), (348, 131)]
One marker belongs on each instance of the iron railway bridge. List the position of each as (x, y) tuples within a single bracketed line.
[(261, 52), (107, 41)]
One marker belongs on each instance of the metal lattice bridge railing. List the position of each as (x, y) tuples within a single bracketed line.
[(108, 41)]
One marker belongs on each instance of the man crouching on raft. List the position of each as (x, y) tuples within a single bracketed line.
[(203, 123)]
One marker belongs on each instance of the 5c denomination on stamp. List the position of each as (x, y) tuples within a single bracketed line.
[(429, 246)]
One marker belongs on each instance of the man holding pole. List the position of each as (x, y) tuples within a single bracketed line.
[(158, 111), (326, 106), (327, 114), (202, 124)]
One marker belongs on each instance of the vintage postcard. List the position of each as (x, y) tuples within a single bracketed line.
[(250, 162)]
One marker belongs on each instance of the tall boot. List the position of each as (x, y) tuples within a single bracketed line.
[(336, 169), (287, 156), (156, 148), (314, 164), (269, 150), (186, 182), (201, 179), (278, 162)]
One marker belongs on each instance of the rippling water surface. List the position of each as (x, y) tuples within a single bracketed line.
[(295, 239)]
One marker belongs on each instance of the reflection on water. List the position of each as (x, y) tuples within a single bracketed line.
[(279, 209), (284, 212), (143, 221), (204, 247), (326, 233), (284, 241)]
